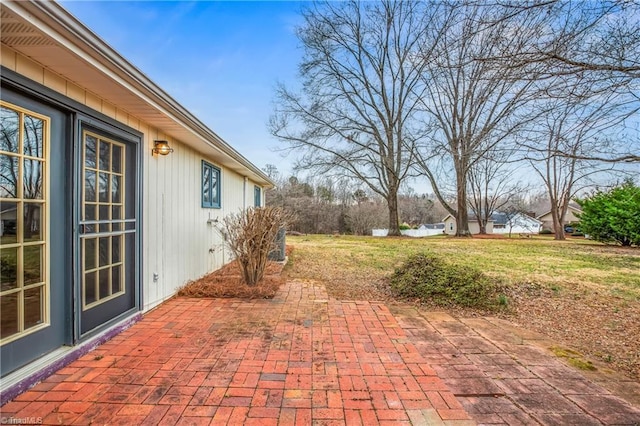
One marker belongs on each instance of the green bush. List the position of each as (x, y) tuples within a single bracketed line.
[(427, 277), (404, 226), (546, 232), (612, 216)]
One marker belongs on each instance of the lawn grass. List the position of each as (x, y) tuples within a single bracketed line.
[(541, 260)]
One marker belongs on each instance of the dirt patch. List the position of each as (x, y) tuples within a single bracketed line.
[(227, 282), (598, 325)]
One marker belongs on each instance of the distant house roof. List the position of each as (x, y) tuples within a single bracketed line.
[(502, 218), (570, 207), (472, 217), (432, 226), (498, 218)]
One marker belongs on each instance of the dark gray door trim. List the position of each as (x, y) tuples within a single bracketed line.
[(83, 115)]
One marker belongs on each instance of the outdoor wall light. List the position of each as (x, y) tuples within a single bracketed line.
[(161, 148)]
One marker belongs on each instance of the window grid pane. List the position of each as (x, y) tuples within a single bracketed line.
[(104, 202), (24, 289)]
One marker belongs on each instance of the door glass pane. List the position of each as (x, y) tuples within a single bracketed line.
[(9, 314), (104, 253), (90, 186), (104, 188), (115, 248), (90, 211), (33, 265), (8, 222), (33, 136), (105, 155), (8, 176), (116, 159), (90, 144), (9, 122), (104, 283), (116, 279), (104, 212), (90, 253), (104, 215), (32, 225), (32, 179), (90, 287), (9, 272), (115, 189), (104, 250), (33, 299)]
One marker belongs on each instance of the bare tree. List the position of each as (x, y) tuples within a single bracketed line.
[(597, 40), (474, 101), (601, 38), (492, 186), (356, 111), (574, 123)]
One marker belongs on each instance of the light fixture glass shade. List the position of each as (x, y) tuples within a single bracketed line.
[(161, 148)]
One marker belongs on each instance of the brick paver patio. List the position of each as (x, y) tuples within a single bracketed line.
[(297, 359), (504, 374), (302, 358)]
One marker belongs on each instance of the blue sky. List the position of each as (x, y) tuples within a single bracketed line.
[(220, 60)]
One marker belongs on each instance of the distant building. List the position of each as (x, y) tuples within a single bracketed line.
[(451, 227), (569, 217)]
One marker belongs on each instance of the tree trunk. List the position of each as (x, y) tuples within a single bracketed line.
[(558, 228), (394, 218), (462, 215), (483, 226)]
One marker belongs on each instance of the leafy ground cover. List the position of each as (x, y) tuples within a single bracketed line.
[(577, 292), (227, 282)]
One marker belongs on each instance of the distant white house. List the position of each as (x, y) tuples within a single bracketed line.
[(498, 223), (517, 223), (451, 226)]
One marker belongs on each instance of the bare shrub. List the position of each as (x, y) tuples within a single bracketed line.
[(251, 236)]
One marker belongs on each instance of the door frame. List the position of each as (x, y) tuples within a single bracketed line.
[(85, 122), (82, 115)]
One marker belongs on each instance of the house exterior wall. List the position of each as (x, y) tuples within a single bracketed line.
[(179, 242), (569, 217), (450, 226)]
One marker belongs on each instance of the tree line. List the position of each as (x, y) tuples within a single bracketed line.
[(473, 97), (328, 205)]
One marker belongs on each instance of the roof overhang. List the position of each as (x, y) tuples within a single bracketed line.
[(49, 35)]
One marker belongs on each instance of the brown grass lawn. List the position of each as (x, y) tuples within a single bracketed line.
[(577, 292)]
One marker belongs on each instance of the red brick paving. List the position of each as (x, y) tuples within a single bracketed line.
[(298, 359), (303, 359), (501, 374)]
